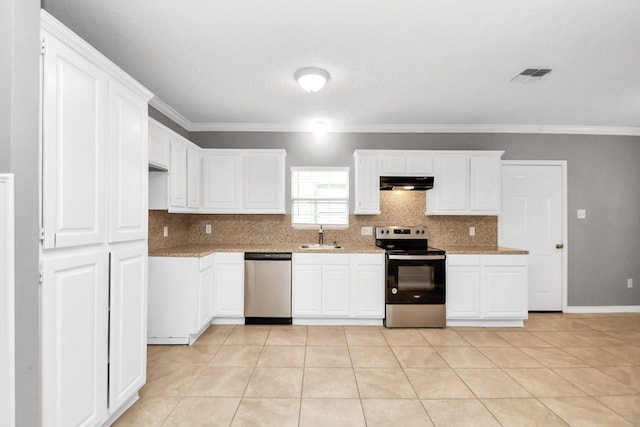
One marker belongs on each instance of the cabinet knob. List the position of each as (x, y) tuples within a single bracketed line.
[(559, 245)]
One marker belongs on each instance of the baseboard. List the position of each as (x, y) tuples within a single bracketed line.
[(603, 309)]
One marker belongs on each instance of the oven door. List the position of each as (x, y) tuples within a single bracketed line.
[(415, 279)]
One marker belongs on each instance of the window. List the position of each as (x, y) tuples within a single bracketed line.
[(320, 196)]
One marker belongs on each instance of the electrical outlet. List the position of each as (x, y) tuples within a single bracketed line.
[(629, 283), (366, 231), (472, 231), (165, 231), (207, 228), (582, 213)]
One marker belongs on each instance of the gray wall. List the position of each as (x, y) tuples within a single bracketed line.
[(6, 13), (167, 122), (19, 145), (603, 174)]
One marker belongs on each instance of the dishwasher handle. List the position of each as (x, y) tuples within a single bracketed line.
[(267, 256)]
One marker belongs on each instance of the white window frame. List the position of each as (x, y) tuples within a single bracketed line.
[(293, 199)]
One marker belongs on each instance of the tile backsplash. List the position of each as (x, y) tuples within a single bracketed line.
[(404, 208)]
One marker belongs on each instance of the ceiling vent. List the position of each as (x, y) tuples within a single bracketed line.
[(530, 75)]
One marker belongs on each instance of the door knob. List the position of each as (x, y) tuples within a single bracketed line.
[(559, 245)]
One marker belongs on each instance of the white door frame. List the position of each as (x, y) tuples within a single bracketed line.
[(565, 231)]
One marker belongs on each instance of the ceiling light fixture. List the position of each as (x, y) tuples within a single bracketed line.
[(311, 79)]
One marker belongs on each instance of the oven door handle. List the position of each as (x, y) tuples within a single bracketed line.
[(417, 257)]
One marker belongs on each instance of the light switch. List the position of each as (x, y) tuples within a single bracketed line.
[(582, 213), (165, 231)]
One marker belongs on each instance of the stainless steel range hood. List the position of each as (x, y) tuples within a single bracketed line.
[(406, 183)]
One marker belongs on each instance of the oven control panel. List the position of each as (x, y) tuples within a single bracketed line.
[(402, 233)]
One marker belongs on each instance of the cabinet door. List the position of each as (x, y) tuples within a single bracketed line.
[(263, 183), (159, 142), (205, 299), (393, 165), (367, 182), (335, 290), (222, 182), (178, 175), (506, 291), (369, 292), (419, 165), (74, 340), (127, 325), (228, 297), (485, 184), (128, 178), (451, 186), (463, 292), (194, 177), (307, 290), (74, 148)]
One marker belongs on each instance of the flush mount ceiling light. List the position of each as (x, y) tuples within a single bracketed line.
[(311, 79), (530, 75)]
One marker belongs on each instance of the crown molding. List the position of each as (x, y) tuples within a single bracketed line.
[(427, 128), (171, 113)]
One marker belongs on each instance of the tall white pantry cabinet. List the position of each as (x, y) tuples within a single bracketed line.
[(94, 232)]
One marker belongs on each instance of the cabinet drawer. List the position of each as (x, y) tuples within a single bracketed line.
[(230, 257), (498, 260), (320, 259), (369, 259), (463, 260)]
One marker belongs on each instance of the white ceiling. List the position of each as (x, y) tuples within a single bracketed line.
[(401, 66)]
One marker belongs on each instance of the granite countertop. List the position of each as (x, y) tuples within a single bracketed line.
[(200, 250), (485, 250)]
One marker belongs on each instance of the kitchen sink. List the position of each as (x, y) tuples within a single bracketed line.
[(321, 247)]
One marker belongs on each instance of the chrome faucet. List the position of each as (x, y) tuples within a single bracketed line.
[(320, 236)]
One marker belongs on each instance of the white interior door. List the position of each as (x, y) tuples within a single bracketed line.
[(533, 218)]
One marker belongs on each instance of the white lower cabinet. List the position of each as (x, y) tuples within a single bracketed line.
[(369, 284), (127, 325), (75, 300), (486, 290), (228, 289), (337, 286), (180, 298)]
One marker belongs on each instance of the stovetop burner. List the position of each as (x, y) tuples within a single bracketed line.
[(405, 241)]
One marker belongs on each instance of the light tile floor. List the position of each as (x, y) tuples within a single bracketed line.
[(577, 370)]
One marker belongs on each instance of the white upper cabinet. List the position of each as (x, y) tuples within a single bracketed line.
[(159, 145), (194, 176), (243, 181), (466, 183), (405, 163), (74, 139), (222, 181), (367, 180), (178, 174), (485, 192), (451, 186), (263, 182), (128, 178)]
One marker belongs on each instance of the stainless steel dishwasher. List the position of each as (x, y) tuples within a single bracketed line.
[(267, 288)]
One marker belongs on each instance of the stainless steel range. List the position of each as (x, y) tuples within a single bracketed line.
[(415, 278)]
